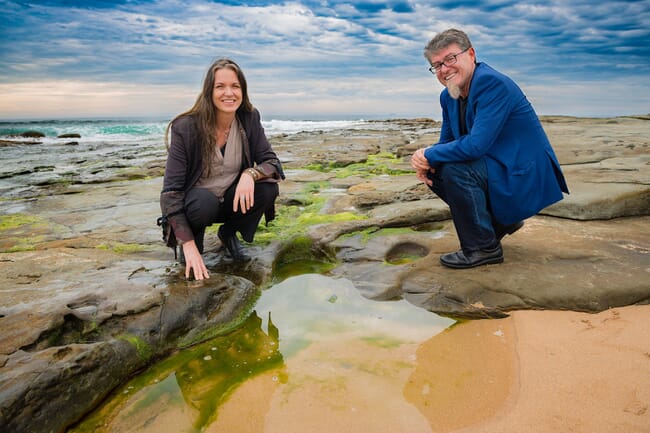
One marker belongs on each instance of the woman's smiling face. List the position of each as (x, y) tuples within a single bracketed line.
[(227, 91)]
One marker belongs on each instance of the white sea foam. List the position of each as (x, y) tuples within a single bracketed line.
[(126, 131), (276, 127)]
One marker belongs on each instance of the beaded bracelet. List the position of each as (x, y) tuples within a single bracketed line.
[(254, 174)]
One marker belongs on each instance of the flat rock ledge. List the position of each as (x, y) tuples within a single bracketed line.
[(89, 296)]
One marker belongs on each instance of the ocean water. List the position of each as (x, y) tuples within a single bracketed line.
[(134, 130), (106, 148)]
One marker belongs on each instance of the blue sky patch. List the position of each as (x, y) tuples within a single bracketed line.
[(316, 56)]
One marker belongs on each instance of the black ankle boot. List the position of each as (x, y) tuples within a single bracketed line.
[(234, 248)]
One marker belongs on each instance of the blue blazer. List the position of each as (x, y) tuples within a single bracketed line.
[(524, 175)]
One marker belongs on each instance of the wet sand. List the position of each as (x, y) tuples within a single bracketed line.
[(548, 371), (533, 372), (577, 372)]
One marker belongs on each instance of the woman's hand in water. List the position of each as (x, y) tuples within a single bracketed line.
[(194, 264)]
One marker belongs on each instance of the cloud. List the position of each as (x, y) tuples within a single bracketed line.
[(63, 98), (294, 50)]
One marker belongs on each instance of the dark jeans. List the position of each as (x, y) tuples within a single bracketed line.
[(464, 187), (203, 209)]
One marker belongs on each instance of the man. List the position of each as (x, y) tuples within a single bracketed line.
[(493, 165)]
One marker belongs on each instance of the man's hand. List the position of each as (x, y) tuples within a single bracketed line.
[(422, 175), (421, 166)]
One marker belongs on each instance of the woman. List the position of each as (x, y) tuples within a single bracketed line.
[(220, 169)]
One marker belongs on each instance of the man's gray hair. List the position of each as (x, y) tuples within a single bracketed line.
[(443, 39)]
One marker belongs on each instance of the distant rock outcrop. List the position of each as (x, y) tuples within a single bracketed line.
[(70, 135), (31, 134)]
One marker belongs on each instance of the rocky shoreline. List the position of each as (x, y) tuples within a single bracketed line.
[(89, 295)]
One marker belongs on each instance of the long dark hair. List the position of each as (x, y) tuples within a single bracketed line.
[(205, 112)]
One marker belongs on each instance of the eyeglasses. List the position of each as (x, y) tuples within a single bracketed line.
[(447, 61)]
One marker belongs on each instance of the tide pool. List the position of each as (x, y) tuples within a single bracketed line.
[(314, 356)]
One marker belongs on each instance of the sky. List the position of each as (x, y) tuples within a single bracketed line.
[(314, 59)]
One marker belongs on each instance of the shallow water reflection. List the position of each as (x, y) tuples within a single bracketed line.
[(315, 356)]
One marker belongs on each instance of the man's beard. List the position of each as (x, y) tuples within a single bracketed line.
[(454, 91)]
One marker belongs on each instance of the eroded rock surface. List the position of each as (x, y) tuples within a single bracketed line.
[(89, 295)]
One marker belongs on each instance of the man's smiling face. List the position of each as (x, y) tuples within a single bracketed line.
[(457, 76)]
